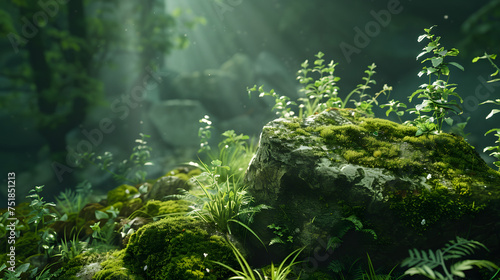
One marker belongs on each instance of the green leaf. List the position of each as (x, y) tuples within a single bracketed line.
[(421, 37), (436, 61), (492, 130), (420, 54), (457, 65), (99, 215), (493, 112), (449, 121)]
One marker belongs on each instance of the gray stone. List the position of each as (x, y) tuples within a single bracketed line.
[(177, 121), (165, 186), (317, 172)]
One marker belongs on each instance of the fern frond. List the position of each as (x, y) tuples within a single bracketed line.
[(356, 222), (333, 243), (461, 248), (370, 231), (425, 271), (458, 268), (276, 240), (421, 258), (336, 266)]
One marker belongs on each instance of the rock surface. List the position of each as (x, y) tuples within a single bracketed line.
[(177, 121), (411, 191)]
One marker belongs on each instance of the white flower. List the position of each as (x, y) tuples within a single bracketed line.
[(145, 267), (429, 176), (422, 222), (205, 255), (208, 270)]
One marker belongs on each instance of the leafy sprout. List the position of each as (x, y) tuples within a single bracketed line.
[(131, 169), (320, 91), (435, 94)]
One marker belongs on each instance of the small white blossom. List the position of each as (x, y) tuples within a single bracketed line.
[(205, 255), (422, 222)]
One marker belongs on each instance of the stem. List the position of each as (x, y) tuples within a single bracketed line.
[(491, 61), (344, 102)]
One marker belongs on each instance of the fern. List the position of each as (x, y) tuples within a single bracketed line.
[(335, 241), (424, 263)]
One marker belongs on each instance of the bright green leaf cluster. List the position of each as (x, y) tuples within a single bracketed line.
[(435, 94)]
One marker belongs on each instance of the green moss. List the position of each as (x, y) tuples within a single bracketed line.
[(121, 194), (183, 173), (353, 156), (113, 268), (178, 248), (194, 172), (75, 265), (422, 209), (155, 208), (26, 245)]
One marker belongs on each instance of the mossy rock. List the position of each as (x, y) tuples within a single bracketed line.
[(26, 245), (155, 208), (121, 194), (178, 248), (75, 268), (166, 186), (411, 190), (113, 268)]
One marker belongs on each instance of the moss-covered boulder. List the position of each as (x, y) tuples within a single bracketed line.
[(113, 268), (178, 248), (156, 208), (168, 185), (121, 193), (412, 191)]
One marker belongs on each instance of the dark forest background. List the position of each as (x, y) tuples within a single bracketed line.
[(105, 71)]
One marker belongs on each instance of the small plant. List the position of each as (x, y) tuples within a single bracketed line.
[(436, 92), (495, 149), (274, 273), (282, 234), (16, 274), (364, 104), (490, 58), (234, 151), (40, 214), (105, 235), (70, 201), (224, 201), (372, 275), (394, 106), (128, 170), (205, 133), (281, 102), (322, 93), (71, 248), (427, 263), (352, 223)]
